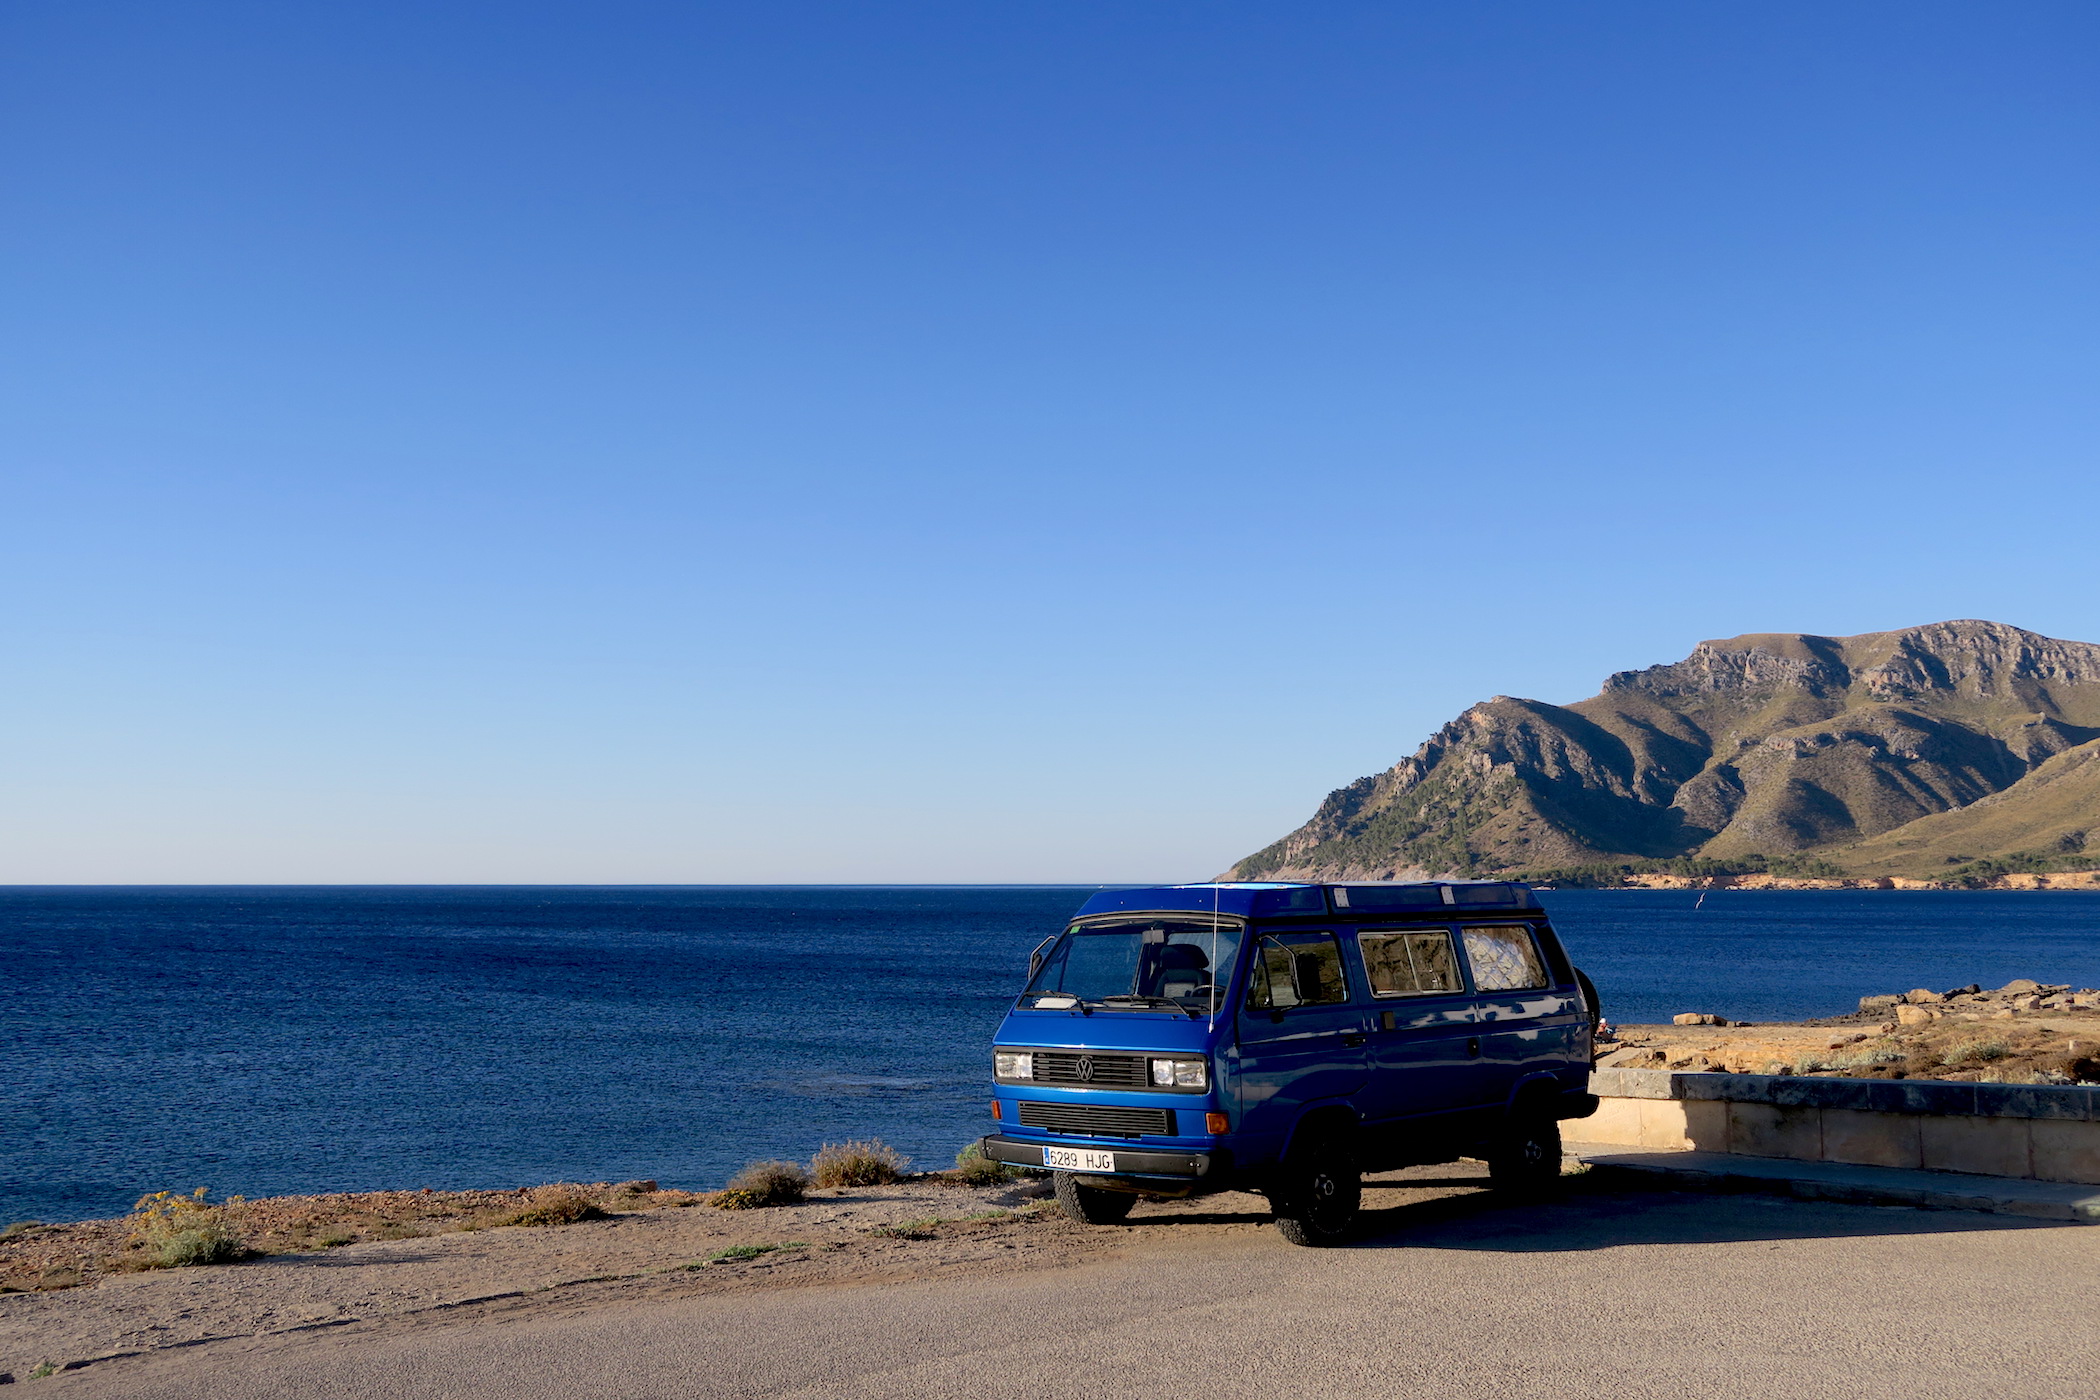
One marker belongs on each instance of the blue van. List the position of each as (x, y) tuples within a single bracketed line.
[(1287, 1038)]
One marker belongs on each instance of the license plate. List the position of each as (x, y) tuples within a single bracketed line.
[(1073, 1159)]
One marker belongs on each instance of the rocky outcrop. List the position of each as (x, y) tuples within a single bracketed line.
[(1761, 746)]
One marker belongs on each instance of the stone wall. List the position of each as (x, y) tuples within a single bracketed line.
[(2046, 1132)]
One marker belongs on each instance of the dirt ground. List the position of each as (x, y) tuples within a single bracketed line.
[(665, 1245), (921, 1229)]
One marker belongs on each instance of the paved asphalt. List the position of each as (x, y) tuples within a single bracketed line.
[(1610, 1297)]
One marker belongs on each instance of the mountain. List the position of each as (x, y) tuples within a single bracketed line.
[(1909, 752)]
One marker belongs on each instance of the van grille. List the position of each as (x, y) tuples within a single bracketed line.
[(1097, 1120), (1100, 1071)]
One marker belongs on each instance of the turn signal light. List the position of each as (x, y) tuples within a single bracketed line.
[(1216, 1123), (995, 1113)]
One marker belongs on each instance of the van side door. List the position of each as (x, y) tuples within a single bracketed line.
[(1525, 1022), (1425, 1040), (1301, 1031)]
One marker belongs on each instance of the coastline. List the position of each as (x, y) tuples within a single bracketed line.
[(2061, 880)]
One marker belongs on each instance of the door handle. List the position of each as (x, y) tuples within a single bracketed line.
[(1352, 1039), (1473, 1045)]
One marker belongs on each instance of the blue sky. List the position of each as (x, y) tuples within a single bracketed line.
[(646, 442)]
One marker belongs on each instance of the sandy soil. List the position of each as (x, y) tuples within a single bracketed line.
[(921, 1229), (918, 1227)]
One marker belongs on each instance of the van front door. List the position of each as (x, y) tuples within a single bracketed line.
[(1301, 1033)]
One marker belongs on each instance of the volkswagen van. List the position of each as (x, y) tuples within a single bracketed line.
[(1286, 1038)]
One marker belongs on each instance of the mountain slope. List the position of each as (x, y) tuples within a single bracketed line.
[(2053, 812), (1761, 746)]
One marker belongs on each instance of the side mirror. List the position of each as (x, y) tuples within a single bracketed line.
[(1305, 971)]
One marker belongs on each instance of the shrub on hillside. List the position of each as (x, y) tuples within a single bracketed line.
[(175, 1232), (1975, 1052), (763, 1184), (559, 1204), (861, 1162), (976, 1169)]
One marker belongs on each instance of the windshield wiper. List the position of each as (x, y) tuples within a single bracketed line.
[(1136, 999)]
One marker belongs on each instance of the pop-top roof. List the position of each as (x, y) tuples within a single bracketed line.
[(1342, 898)]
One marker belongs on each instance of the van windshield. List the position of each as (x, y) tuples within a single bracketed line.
[(1141, 965)]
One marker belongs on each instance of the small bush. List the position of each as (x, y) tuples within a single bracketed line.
[(1975, 1052), (2080, 1069), (559, 1204), (862, 1162), (762, 1184), (1879, 1053), (976, 1169), (177, 1232)]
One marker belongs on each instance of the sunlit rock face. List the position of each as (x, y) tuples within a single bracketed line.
[(1868, 751)]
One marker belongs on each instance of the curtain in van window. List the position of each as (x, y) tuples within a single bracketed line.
[(1504, 959)]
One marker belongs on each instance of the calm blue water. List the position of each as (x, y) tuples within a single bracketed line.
[(277, 1040)]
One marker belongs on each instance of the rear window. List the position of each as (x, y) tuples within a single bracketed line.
[(1504, 958)]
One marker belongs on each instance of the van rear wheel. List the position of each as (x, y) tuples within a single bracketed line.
[(1090, 1205), (1317, 1196), (1525, 1158)]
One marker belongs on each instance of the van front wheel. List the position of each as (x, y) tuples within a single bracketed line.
[(1090, 1205), (1316, 1198)]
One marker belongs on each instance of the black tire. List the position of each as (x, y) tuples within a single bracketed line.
[(1590, 1003), (1317, 1195), (1090, 1205), (1525, 1156)]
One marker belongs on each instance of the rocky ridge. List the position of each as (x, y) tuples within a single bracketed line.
[(1966, 748)]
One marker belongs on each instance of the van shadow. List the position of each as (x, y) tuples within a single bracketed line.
[(1584, 1217), (1588, 1218)]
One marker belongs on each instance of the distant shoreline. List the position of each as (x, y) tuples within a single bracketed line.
[(2063, 880)]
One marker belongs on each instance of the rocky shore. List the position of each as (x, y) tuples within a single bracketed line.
[(2061, 880), (2025, 1032)]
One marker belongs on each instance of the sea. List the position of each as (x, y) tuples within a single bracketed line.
[(276, 1040)]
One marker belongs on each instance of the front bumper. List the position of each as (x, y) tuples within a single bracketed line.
[(1173, 1172)]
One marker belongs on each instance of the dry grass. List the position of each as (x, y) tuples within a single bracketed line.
[(861, 1162), (1970, 1052), (169, 1231), (762, 1184), (35, 1257), (562, 1203), (973, 1168)]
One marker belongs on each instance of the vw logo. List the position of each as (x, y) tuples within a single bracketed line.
[(1086, 1066)]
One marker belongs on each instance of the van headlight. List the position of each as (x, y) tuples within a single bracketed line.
[(1008, 1065), (1181, 1074)]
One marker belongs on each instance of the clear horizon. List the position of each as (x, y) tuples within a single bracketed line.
[(945, 444)]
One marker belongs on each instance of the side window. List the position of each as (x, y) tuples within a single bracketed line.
[(1504, 958), (1296, 969), (1409, 962)]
